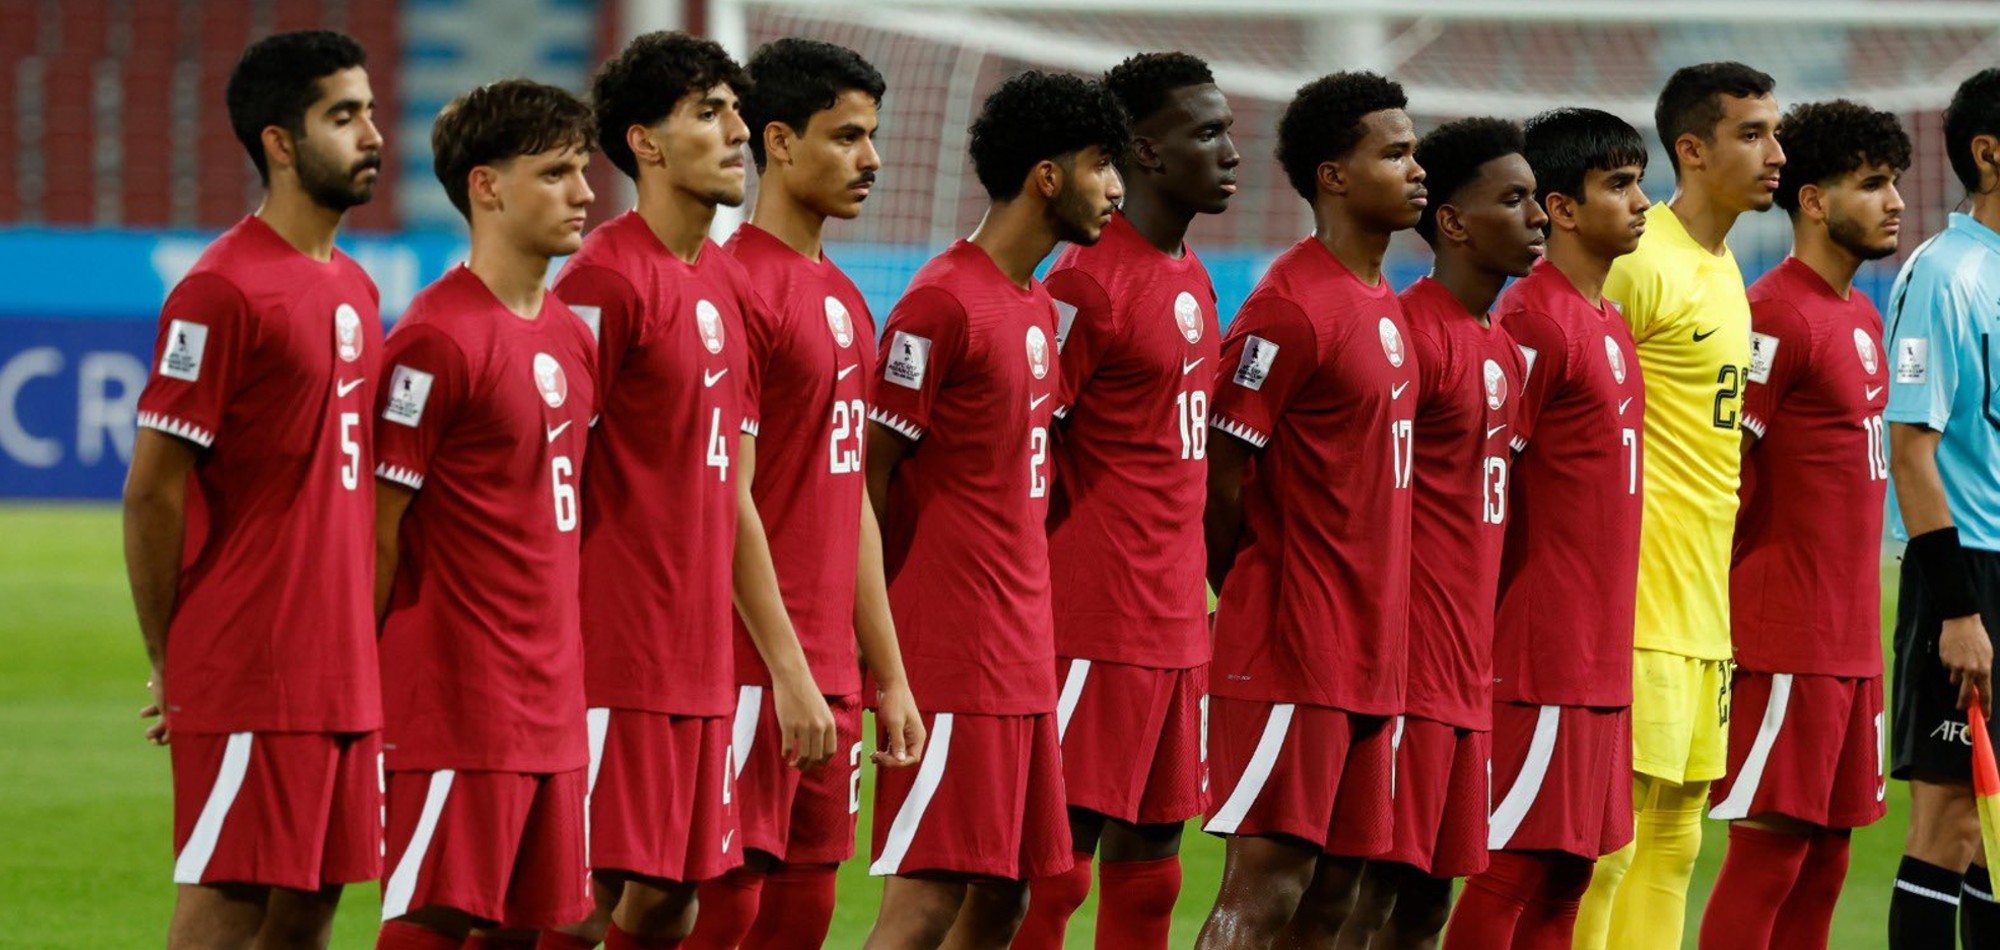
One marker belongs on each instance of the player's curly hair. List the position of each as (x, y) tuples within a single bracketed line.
[(1323, 123), (1144, 80), (277, 80), (792, 78), (1974, 111), (1452, 155), (1036, 116), (1691, 101), (1826, 140), (642, 84), (499, 121), (1563, 145)]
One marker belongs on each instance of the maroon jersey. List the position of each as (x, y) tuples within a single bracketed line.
[(1805, 589), (968, 370), (1138, 342), (267, 360), (1570, 565), (485, 416), (659, 533), (1317, 372), (811, 357), (1468, 384)]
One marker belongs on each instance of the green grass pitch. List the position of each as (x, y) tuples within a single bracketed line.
[(86, 813)]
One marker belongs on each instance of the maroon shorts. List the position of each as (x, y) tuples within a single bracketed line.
[(1314, 773), (1132, 740), (797, 817), (987, 800), (662, 795), (504, 847), (301, 810), (1441, 798), (1562, 777), (1804, 746)]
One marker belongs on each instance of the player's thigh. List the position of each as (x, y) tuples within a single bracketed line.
[(294, 810)]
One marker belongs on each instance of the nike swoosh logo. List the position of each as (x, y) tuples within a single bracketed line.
[(1396, 391), (1491, 432), (345, 386), (1874, 391), (846, 370), (1700, 336), (1187, 368), (558, 430), (1037, 401), (708, 379), (1622, 403)]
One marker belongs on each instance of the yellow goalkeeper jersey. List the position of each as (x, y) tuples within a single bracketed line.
[(1690, 319)]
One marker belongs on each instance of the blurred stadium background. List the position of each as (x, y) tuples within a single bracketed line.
[(117, 165)]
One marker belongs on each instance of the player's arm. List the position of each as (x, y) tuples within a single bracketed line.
[(875, 633), (803, 716), (1781, 344), (1544, 353), (391, 501), (1267, 357), (155, 526), (1222, 516), (426, 382)]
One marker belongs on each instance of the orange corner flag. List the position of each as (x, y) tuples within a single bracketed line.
[(1985, 782)]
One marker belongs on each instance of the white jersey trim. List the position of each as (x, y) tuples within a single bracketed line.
[(596, 724), (200, 847), (1072, 691), (180, 428), (1239, 430), (1262, 761), (1527, 787), (1754, 424), (750, 427), (408, 478), (896, 422), (743, 729), (401, 886), (1744, 789), (903, 831)]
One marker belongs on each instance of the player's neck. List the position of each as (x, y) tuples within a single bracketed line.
[(1584, 269), (1016, 235), (1356, 246), (784, 217), (1986, 208), (1474, 288), (305, 224), (514, 274), (1706, 220), (678, 218), (1163, 224), (1834, 264)]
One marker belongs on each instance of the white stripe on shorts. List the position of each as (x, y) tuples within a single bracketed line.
[(1072, 691), (596, 724), (1528, 785), (402, 885), (1262, 761), (1744, 789), (743, 731), (200, 847), (930, 774), (1395, 754)]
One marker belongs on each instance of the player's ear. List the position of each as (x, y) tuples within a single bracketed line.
[(1144, 155), (644, 145), (1450, 223), (482, 188), (778, 139), (1690, 150), (1332, 177), (1046, 178), (1985, 154), (1812, 202), (1561, 210), (280, 151)]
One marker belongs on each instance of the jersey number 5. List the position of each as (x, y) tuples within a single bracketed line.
[(350, 451)]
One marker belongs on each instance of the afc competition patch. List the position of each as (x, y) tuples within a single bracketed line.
[(592, 317), (1187, 316), (409, 389), (186, 341), (1065, 316), (550, 380), (1763, 352), (909, 356), (1913, 360), (1255, 365), (1865, 348), (838, 323), (347, 333)]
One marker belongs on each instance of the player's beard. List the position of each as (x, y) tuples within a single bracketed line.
[(1852, 236), (1073, 216), (333, 186)]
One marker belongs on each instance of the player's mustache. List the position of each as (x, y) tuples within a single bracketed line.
[(371, 160), (865, 180)]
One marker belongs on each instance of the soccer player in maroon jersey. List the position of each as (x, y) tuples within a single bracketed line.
[(247, 517), (1806, 735), (811, 110), (959, 471), (1138, 340), (480, 439), (1308, 530), (1485, 227), (1562, 638), (671, 535)]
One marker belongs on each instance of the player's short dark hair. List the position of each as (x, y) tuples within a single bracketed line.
[(1826, 140), (642, 84), (499, 121), (1974, 111), (1691, 101), (277, 80), (1143, 81), (1036, 116), (1323, 123), (1564, 145), (792, 78), (1452, 155)]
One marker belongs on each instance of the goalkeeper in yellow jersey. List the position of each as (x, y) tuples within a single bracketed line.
[(1683, 296)]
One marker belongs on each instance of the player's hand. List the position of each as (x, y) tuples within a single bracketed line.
[(156, 732), (807, 723), (902, 727), (1967, 654)]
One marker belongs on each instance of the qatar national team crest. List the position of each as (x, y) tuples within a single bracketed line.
[(1496, 386), (1038, 352), (550, 380), (347, 333), (1392, 341), (1187, 315), (1617, 358), (838, 321), (708, 320), (1866, 347)]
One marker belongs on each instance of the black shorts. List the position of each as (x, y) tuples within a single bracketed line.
[(1927, 728)]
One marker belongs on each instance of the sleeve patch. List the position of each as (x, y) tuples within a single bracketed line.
[(1255, 365), (909, 356), (186, 340), (1913, 360), (1763, 352), (592, 317), (409, 389), (1065, 315), (1528, 356)]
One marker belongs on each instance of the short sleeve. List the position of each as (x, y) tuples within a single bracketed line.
[(1433, 365), (611, 308), (1085, 330), (1544, 368), (924, 339), (1634, 285), (1780, 349), (207, 338), (1928, 326), (763, 332), (1267, 357), (427, 384)]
